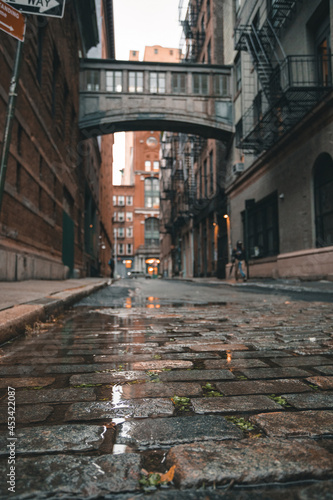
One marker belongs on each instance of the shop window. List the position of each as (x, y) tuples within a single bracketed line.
[(323, 194)]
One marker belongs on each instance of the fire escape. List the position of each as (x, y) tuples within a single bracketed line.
[(193, 35), (290, 85)]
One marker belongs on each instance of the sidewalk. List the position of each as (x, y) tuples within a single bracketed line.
[(292, 285), (24, 302)]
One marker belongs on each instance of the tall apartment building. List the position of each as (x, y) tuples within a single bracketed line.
[(49, 215), (280, 171), (194, 232)]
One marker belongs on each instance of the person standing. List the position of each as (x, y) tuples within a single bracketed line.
[(111, 264), (238, 257)]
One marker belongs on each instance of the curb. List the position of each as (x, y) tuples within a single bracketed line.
[(14, 320)]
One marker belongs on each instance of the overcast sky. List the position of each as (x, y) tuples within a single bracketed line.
[(137, 24)]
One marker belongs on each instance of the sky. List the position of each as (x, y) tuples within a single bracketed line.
[(140, 23)]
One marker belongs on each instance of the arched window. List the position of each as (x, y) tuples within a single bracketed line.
[(152, 232), (323, 194)]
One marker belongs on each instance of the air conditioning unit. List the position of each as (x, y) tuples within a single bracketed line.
[(237, 168)]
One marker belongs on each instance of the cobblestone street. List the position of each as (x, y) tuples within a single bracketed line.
[(230, 393)]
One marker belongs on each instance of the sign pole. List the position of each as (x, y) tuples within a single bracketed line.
[(9, 118)]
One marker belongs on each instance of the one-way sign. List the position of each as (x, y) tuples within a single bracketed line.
[(52, 8)]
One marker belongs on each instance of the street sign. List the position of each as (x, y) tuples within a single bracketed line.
[(12, 21), (52, 8)]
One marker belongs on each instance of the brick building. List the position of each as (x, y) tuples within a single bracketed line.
[(280, 172), (194, 232), (48, 221)]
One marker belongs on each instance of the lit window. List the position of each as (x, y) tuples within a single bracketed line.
[(129, 216)]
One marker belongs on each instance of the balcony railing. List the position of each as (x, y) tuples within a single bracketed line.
[(297, 85)]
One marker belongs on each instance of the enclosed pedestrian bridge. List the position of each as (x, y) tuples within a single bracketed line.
[(117, 96)]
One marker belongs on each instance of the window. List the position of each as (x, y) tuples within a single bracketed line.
[(238, 4), (92, 79), (129, 216), (200, 83), (121, 249), (221, 85), (157, 82), (205, 178), (152, 192), (152, 232), (155, 51), (129, 248), (129, 232), (114, 200), (121, 200), (178, 83), (211, 172), (148, 166), (171, 52), (323, 194), (135, 81), (121, 232), (129, 200), (156, 165), (238, 72), (114, 81), (121, 216), (263, 228)]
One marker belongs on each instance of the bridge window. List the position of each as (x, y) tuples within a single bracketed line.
[(152, 192), (92, 79), (152, 232), (179, 83), (135, 81), (114, 81), (157, 83), (221, 85), (200, 83)]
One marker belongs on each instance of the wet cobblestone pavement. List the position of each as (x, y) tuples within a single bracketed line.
[(234, 400)]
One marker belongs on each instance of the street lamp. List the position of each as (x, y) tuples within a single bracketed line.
[(227, 219)]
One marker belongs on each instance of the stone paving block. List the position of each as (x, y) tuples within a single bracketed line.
[(218, 347), (55, 396), (191, 355), (260, 354), (160, 364), (311, 400), (63, 476), (235, 364), (322, 382), (233, 404), (180, 375), (302, 361), (168, 432), (327, 370), (274, 373), (27, 414), (248, 461), (261, 387), (56, 438), (138, 408), (107, 378), (121, 358), (26, 382), (19, 370), (44, 360), (313, 424), (307, 351), (162, 390)]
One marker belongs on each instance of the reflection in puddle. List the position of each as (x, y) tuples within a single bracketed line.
[(229, 356), (128, 303)]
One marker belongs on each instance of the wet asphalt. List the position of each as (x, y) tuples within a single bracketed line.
[(172, 389)]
